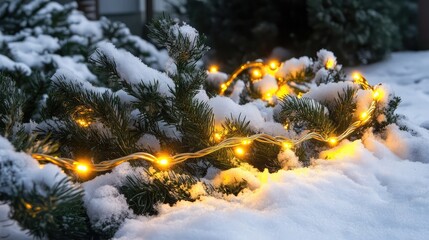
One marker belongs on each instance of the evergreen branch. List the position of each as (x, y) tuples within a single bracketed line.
[(12, 102), (105, 108), (163, 187), (105, 67), (341, 107), (184, 51), (50, 211), (308, 112)]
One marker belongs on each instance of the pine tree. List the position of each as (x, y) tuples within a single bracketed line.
[(39, 37), (136, 108)]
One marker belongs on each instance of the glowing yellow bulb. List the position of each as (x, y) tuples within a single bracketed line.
[(330, 63), (287, 145), (82, 168), (332, 141), (377, 94), (223, 86), (273, 64), (357, 77), (218, 136), (299, 95), (163, 161), (268, 97), (286, 126), (239, 151), (364, 116), (283, 91), (27, 205), (256, 73), (213, 69), (82, 122), (246, 142)]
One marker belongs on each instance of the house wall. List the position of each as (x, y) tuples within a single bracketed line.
[(130, 12)]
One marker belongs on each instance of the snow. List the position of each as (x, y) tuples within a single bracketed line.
[(267, 85), (80, 25), (355, 196), (293, 66), (133, 70), (372, 188), (107, 206), (186, 31), (375, 188), (224, 107), (68, 75), (7, 64), (149, 141), (72, 64)]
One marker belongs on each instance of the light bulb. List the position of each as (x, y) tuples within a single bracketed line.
[(273, 64), (256, 73), (333, 141), (163, 161), (239, 151), (287, 145), (364, 116), (356, 76), (330, 63), (82, 168), (377, 94), (213, 69), (218, 136)]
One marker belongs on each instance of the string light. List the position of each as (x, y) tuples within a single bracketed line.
[(218, 136), (233, 142), (332, 141), (287, 145), (213, 69), (82, 116), (239, 151), (256, 74), (330, 63), (82, 168), (356, 77), (377, 94), (273, 64), (364, 116), (237, 72), (163, 161)]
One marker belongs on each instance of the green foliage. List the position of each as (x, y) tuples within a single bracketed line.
[(233, 188), (341, 107), (12, 101), (390, 117), (306, 113), (67, 100), (143, 194), (56, 32), (79, 120), (230, 24), (359, 31), (45, 211)]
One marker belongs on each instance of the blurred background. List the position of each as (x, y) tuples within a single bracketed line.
[(358, 31)]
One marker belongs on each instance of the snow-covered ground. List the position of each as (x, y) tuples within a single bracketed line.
[(367, 189), (365, 192)]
